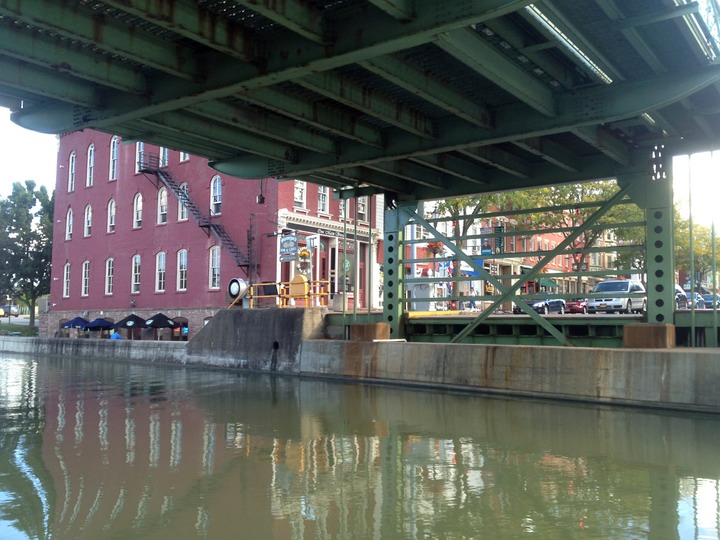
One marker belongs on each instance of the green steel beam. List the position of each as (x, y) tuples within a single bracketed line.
[(112, 36), (204, 129), (453, 166), (300, 17), (550, 152), (40, 50), (620, 100), (316, 114), (658, 15), (401, 10), (488, 61), (608, 144), (508, 292), (395, 220), (414, 173), (190, 20), (500, 159), (362, 98), (430, 89), (358, 39), (30, 78), (253, 120)]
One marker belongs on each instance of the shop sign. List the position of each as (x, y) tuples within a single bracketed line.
[(288, 248)]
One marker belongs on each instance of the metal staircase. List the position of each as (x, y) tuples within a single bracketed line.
[(150, 164)]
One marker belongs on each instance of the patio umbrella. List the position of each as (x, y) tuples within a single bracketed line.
[(77, 322), (98, 324), (160, 320), (131, 321)]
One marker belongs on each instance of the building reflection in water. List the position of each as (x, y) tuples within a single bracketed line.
[(99, 450)]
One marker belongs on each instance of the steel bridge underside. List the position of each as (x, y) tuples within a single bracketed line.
[(416, 100)]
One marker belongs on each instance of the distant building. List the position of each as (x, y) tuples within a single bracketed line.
[(124, 243)]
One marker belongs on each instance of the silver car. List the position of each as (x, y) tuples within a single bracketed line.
[(606, 297)]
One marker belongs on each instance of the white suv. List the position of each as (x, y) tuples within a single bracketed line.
[(634, 302)]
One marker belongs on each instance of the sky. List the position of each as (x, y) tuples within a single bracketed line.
[(25, 155)]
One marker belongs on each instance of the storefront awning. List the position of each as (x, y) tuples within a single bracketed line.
[(548, 283)]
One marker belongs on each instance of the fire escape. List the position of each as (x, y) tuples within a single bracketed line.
[(149, 164)]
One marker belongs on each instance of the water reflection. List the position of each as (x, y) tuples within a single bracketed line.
[(102, 450)]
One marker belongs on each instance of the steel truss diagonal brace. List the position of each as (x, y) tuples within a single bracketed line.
[(509, 292)]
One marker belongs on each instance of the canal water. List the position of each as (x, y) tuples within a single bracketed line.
[(103, 450)]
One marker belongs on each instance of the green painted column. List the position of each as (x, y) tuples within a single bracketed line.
[(653, 192), (395, 221)]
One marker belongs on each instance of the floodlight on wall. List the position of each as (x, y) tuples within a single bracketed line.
[(260, 198), (132, 302)]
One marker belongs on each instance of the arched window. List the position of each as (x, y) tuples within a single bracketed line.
[(109, 276), (216, 195), (69, 224), (66, 280), (182, 270), (114, 143), (71, 172), (137, 211), (135, 285), (85, 290), (182, 207), (162, 206), (111, 210), (90, 166), (87, 223), (160, 272), (214, 274)]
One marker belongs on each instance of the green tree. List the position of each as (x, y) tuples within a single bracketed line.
[(26, 221)]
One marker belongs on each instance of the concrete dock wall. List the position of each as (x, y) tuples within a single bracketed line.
[(681, 379), (687, 379)]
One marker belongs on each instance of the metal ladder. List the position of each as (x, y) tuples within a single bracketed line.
[(150, 164)]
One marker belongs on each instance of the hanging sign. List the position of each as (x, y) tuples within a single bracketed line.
[(288, 248)]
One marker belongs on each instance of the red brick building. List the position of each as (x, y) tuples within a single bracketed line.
[(125, 243)]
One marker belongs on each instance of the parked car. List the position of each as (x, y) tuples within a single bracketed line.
[(605, 299), (698, 302), (577, 305), (711, 300), (681, 300), (544, 305), (12, 310)]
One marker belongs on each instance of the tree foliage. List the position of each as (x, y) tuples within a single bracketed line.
[(26, 221)]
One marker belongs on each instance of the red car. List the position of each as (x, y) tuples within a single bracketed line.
[(577, 305)]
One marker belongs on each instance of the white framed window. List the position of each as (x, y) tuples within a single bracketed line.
[(114, 146), (362, 208), (182, 207), (66, 280), (139, 155), (135, 284), (163, 156), (90, 177), (182, 270), (71, 172), (85, 291), (137, 211), (184, 156), (216, 196), (214, 274), (162, 206), (300, 193), (160, 272), (323, 199), (69, 224), (341, 208), (109, 276), (111, 211), (87, 223)]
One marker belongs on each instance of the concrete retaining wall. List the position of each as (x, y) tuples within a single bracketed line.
[(682, 379), (686, 379)]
